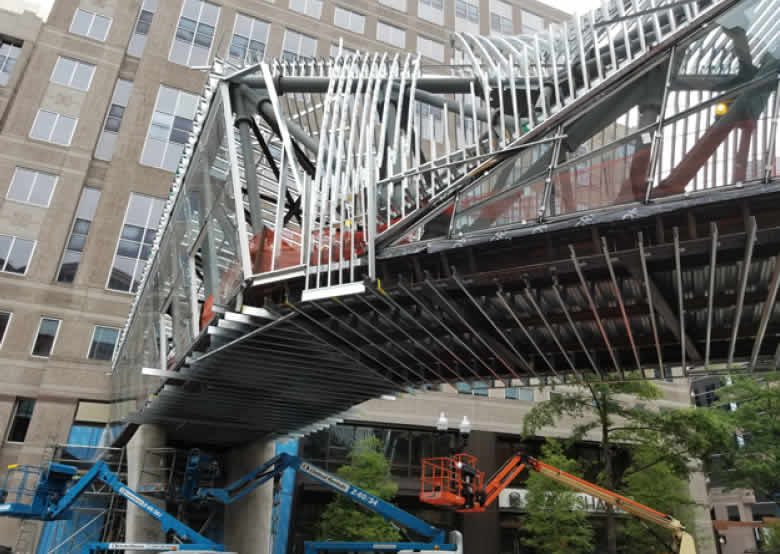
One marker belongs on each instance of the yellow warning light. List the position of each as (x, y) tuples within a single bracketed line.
[(721, 108), (13, 466)]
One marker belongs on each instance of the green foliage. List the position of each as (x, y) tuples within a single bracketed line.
[(755, 464), (345, 520), (660, 487), (556, 522), (772, 544)]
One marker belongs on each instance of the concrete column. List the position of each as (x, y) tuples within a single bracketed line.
[(705, 538), (248, 522), (482, 532), (140, 526)]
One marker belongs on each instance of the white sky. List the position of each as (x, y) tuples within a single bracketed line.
[(42, 7)]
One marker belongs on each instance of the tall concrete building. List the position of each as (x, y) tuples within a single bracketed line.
[(95, 107)]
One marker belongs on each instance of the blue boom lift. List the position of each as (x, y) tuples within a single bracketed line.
[(59, 487)]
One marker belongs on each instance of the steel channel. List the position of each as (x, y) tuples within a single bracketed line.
[(750, 242), (556, 288), (711, 289), (649, 293), (619, 298)]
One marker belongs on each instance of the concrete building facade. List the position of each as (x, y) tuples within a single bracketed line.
[(93, 107)]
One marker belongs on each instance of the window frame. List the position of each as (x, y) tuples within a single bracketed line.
[(307, 8), (233, 34), (53, 342), (65, 249), (469, 4), (421, 37), (92, 339), (352, 14), (10, 248), (393, 44), (390, 4), (179, 93), (300, 43), (119, 239), (195, 33), (14, 413), (7, 326), (11, 45), (94, 15), (27, 202), (73, 73), (49, 141)]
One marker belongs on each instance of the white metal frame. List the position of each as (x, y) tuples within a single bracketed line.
[(69, 84), (38, 332), (119, 238), (197, 21), (92, 338), (94, 16), (37, 173), (29, 258), (59, 115)]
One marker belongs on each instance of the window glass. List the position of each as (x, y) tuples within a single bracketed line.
[(134, 244), (430, 48), (532, 23), (347, 19), (90, 24), (250, 36), (23, 412), (85, 212), (169, 128), (519, 393), (194, 33), (73, 73), (9, 53), (312, 8), (466, 9), (47, 334), (399, 5), (34, 187), (733, 513), (103, 343), (15, 254), (53, 127), (431, 10), (390, 34), (298, 45), (5, 319)]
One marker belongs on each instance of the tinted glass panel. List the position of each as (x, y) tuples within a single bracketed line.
[(44, 342)]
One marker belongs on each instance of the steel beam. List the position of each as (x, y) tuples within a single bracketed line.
[(711, 289), (750, 241), (513, 315), (680, 305), (619, 298), (592, 304), (766, 314), (649, 296), (556, 289)]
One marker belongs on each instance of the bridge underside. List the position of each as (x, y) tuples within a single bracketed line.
[(597, 203)]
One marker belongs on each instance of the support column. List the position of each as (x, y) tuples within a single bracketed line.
[(482, 532), (141, 470), (248, 522)]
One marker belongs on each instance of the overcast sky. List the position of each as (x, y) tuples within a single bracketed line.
[(42, 7)]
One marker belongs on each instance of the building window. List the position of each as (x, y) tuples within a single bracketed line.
[(20, 421), (85, 213), (431, 10), (46, 337), (5, 321), (500, 24), (465, 9), (347, 19), (103, 343), (425, 112), (32, 187), (250, 36), (53, 127), (532, 23), (478, 388), (390, 34), (73, 73), (89, 24), (15, 254), (116, 111), (170, 128), (399, 5), (733, 513), (135, 242), (519, 393), (298, 45), (9, 53), (142, 25), (334, 51), (194, 33), (312, 8), (430, 48)]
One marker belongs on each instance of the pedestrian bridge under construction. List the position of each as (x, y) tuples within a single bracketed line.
[(557, 208)]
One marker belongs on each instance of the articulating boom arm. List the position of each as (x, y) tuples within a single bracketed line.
[(275, 467), (100, 471)]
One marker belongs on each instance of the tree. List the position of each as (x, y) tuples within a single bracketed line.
[(772, 544), (556, 521), (345, 520), (753, 461), (612, 410)]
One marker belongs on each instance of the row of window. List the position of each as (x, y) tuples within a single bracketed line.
[(101, 345)]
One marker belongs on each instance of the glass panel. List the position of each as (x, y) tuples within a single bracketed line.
[(611, 176), (63, 70), (63, 130), (5, 246), (5, 317), (42, 190), (21, 184), (69, 267), (100, 27), (103, 343), (21, 421), (81, 22), (19, 256), (44, 342), (44, 123), (83, 76)]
